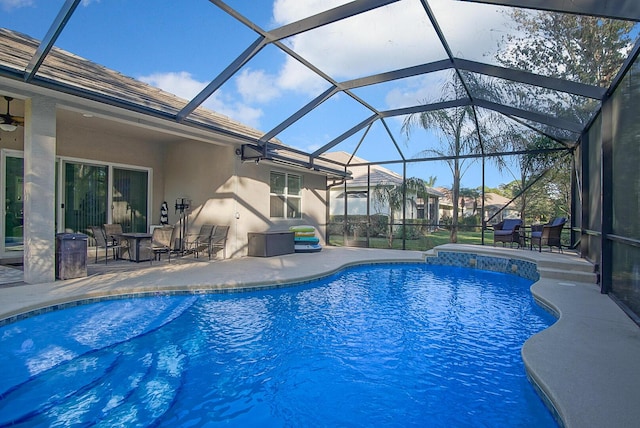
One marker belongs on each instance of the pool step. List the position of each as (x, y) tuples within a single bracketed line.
[(573, 275), (578, 270)]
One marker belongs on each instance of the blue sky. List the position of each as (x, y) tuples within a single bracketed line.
[(181, 46)]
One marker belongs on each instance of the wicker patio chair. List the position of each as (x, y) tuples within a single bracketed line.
[(507, 231), (548, 234)]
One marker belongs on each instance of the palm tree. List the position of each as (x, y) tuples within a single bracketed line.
[(391, 196), (457, 133)]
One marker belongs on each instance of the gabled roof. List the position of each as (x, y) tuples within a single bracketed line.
[(379, 174)]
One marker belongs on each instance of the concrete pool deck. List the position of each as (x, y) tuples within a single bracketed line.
[(587, 364)]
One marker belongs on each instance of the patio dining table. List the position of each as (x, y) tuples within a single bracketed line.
[(137, 252)]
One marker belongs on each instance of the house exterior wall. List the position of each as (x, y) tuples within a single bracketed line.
[(223, 190)]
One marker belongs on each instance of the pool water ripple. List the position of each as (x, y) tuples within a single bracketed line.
[(393, 345)]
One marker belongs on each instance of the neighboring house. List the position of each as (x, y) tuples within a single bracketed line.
[(492, 205), (360, 189), (99, 147)]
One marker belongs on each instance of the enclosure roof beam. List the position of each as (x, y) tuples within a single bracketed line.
[(397, 74), (226, 74), (332, 15), (426, 107), (519, 76), (299, 114), (50, 38), (345, 135), (529, 115), (616, 9)]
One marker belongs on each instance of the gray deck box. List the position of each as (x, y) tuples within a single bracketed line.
[(268, 244)]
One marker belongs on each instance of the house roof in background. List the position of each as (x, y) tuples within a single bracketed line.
[(379, 174)]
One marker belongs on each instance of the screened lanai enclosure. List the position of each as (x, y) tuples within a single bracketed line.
[(460, 113)]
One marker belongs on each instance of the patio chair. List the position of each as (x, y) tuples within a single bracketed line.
[(161, 240), (507, 230), (113, 233), (102, 242), (200, 241), (548, 234), (219, 241)]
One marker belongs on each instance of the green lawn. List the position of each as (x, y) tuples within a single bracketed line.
[(425, 242), (429, 240)]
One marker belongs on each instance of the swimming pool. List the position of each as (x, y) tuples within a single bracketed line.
[(380, 345)]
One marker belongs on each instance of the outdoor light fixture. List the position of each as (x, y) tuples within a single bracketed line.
[(7, 122)]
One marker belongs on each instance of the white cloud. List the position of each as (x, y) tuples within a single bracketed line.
[(183, 85), (9, 5), (287, 11), (383, 39), (392, 37), (388, 38), (296, 77), (416, 90), (256, 86)]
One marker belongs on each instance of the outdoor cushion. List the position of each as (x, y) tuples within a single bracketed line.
[(304, 228), (502, 232), (510, 224), (306, 239)]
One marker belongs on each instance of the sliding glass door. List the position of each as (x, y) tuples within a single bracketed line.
[(99, 194), (13, 197), (129, 199), (85, 196)]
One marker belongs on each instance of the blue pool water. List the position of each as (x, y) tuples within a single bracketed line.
[(387, 346)]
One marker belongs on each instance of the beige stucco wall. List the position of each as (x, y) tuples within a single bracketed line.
[(223, 190), (12, 140)]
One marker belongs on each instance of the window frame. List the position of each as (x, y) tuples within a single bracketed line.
[(284, 197)]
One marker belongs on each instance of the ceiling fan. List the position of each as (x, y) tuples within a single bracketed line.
[(8, 122)]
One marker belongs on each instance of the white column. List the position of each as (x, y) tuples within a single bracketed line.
[(39, 190)]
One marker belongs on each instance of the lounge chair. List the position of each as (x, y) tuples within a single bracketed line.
[(102, 242), (507, 230), (200, 241), (219, 241), (160, 243), (548, 234)]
